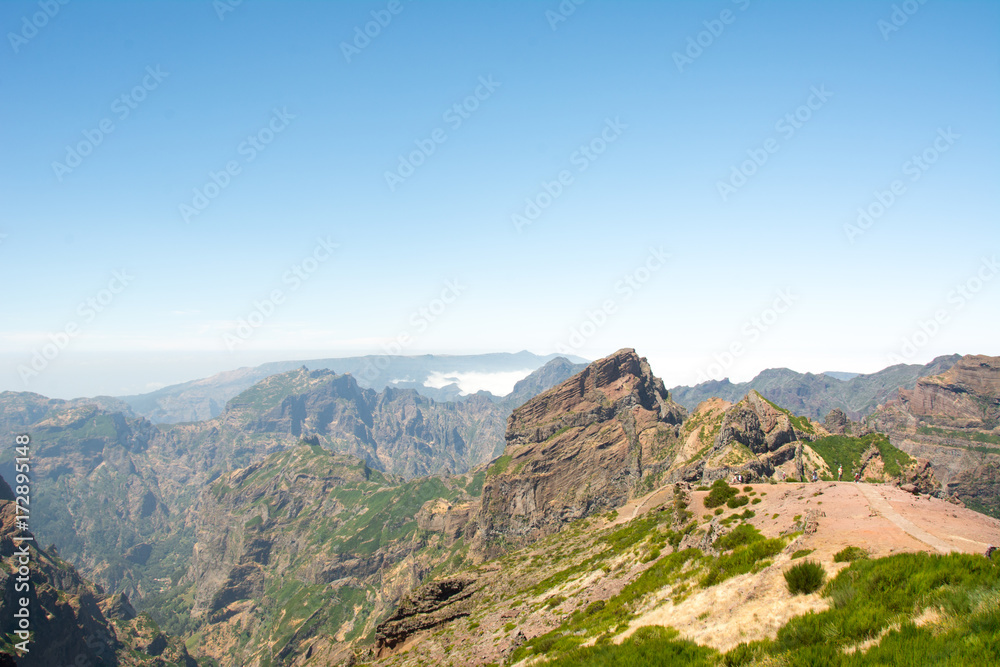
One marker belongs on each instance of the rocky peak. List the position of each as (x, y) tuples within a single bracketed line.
[(621, 381), (579, 448), (756, 423)]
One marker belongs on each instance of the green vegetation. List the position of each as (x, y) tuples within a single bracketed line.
[(847, 451), (802, 552), (650, 646), (805, 578), (879, 599), (737, 501), (746, 551), (719, 494), (499, 466), (973, 436), (849, 555), (603, 620), (475, 488)]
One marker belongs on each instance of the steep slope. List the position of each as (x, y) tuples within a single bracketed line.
[(70, 620), (814, 396), (951, 419), (667, 562), (583, 447), (300, 555)]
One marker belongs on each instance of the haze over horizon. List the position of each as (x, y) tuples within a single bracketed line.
[(192, 189)]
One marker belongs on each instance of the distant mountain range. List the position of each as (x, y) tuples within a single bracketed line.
[(436, 376), (814, 396)]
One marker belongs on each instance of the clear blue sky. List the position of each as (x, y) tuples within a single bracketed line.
[(671, 134)]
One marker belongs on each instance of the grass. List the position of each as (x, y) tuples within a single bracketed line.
[(880, 598), (802, 552), (745, 550), (499, 466), (650, 646), (805, 578), (849, 555)]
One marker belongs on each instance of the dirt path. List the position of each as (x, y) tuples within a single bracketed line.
[(882, 506)]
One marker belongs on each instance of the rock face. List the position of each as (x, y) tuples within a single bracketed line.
[(754, 423), (836, 422), (967, 395), (950, 419), (300, 555), (427, 607), (752, 438), (579, 448), (71, 620)]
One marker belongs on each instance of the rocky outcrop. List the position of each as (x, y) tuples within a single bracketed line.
[(836, 422), (756, 424), (427, 607), (966, 396), (950, 420), (579, 448)]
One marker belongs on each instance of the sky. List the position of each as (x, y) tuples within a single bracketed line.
[(725, 186)]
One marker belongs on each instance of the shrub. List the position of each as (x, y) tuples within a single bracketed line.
[(737, 501), (849, 555), (802, 552), (747, 489), (720, 493), (755, 501), (719, 511), (805, 578)]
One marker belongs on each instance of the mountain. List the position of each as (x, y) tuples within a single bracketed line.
[(582, 447), (71, 621), (116, 492), (315, 521), (434, 376), (839, 375), (814, 396), (299, 555), (953, 420)]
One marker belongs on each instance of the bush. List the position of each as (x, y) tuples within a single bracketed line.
[(747, 489), (802, 552), (755, 501), (849, 555), (737, 501), (720, 493), (805, 578)]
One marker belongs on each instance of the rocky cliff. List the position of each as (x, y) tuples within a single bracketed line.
[(72, 622), (299, 556), (951, 420), (582, 447), (966, 396)]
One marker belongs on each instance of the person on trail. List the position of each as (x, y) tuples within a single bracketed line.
[(840, 472), (857, 476)]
